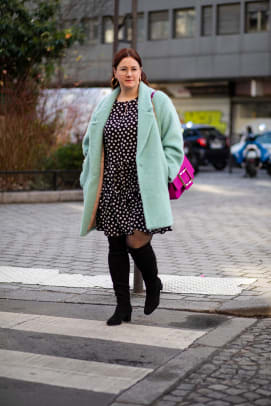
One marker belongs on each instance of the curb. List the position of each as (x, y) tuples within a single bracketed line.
[(260, 306), (246, 308), (48, 196), (166, 377)]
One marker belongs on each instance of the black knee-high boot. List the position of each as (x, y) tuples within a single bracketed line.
[(119, 267), (145, 260)]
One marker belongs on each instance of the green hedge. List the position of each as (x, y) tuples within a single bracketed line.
[(68, 156)]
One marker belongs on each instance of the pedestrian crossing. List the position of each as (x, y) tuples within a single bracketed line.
[(126, 333), (57, 368), (70, 373)]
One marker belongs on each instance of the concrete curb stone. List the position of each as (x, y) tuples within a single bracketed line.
[(252, 307), (259, 306), (48, 196)]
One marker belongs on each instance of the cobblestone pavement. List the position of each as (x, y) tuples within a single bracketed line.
[(240, 374), (222, 229)]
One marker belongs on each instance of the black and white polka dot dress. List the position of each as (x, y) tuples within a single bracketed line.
[(120, 209)]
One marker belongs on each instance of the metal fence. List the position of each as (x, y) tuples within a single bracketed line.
[(53, 179)]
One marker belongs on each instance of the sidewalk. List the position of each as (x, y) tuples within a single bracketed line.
[(239, 374), (221, 234), (222, 230)]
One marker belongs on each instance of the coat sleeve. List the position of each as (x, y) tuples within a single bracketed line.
[(171, 133)]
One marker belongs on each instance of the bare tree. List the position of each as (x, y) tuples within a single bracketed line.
[(78, 10)]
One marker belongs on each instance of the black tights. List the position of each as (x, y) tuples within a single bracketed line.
[(138, 245)]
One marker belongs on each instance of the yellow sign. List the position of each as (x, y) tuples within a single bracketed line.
[(209, 117)]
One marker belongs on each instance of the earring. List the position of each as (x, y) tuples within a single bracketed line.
[(114, 81)]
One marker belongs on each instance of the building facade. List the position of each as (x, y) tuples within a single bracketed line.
[(212, 57)]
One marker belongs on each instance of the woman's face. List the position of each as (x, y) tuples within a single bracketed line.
[(128, 73)]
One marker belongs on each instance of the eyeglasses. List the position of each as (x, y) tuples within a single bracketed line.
[(124, 71)]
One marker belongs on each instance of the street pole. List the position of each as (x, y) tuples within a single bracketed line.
[(134, 24), (138, 281), (116, 27), (231, 124)]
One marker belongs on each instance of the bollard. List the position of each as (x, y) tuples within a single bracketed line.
[(138, 281)]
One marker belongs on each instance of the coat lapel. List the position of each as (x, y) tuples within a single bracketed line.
[(104, 112), (145, 116)]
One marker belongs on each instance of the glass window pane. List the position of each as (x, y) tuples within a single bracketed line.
[(128, 28), (158, 25), (184, 23), (207, 20), (121, 33), (140, 28), (229, 19), (93, 30), (108, 30), (257, 16)]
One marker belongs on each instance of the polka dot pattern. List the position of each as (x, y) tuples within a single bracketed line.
[(120, 209)]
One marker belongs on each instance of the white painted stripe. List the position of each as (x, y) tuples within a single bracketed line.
[(126, 332), (10, 320), (68, 372), (171, 283)]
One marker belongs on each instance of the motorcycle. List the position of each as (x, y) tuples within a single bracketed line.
[(252, 156)]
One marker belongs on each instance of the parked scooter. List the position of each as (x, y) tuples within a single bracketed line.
[(252, 155)]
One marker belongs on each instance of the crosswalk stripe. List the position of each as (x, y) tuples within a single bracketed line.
[(126, 333), (69, 373)]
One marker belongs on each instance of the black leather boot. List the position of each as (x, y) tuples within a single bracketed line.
[(119, 267), (120, 315), (145, 260)]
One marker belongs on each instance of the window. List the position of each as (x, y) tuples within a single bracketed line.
[(184, 23), (108, 30), (257, 16), (140, 28), (229, 19), (158, 25), (207, 21), (90, 27), (93, 29)]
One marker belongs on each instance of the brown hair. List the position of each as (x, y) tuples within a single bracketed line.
[(124, 53)]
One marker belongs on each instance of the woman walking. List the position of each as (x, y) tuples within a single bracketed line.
[(133, 147)]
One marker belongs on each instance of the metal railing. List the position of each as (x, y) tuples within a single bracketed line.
[(51, 179)]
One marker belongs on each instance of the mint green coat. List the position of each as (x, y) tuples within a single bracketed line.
[(159, 157)]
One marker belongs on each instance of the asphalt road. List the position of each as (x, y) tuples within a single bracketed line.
[(59, 353)]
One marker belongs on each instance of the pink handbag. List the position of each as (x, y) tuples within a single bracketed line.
[(184, 179)]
